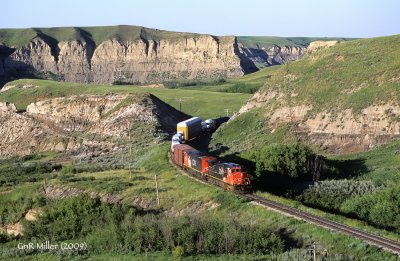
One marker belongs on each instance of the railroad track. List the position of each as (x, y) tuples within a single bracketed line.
[(381, 242), (384, 243)]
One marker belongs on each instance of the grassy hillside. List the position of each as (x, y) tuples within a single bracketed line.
[(81, 222), (95, 34), (382, 164), (351, 75), (98, 34), (249, 83), (204, 104), (269, 41)]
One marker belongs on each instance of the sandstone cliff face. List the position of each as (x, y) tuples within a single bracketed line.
[(37, 55), (315, 46), (83, 125), (140, 61), (276, 54), (345, 131), (273, 55)]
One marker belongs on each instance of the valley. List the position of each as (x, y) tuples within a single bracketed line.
[(313, 120)]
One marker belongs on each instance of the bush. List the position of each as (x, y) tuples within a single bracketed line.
[(279, 165), (380, 208), (13, 173), (178, 252), (330, 194), (122, 228), (194, 82), (250, 88)]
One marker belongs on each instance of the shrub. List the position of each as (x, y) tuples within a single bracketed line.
[(12, 173), (380, 208), (119, 228), (178, 252), (172, 84), (279, 165), (330, 194)]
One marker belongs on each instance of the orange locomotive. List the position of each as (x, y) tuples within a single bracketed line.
[(227, 175)]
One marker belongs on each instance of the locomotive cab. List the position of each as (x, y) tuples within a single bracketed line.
[(239, 176)]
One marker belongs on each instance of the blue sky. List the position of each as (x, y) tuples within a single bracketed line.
[(347, 18)]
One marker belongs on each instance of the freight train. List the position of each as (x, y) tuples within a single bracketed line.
[(230, 176), (227, 175), (190, 129)]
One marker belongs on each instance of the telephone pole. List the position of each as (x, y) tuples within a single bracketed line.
[(130, 150), (227, 112), (158, 197), (180, 100), (313, 247), (315, 254)]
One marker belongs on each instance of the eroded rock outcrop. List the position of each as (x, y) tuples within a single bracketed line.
[(345, 131), (142, 60), (317, 45), (86, 125), (274, 55)]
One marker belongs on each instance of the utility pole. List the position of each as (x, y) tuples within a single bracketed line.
[(130, 150), (313, 247), (227, 112), (180, 100), (158, 197), (315, 254)]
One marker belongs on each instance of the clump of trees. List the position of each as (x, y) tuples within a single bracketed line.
[(172, 84), (330, 194), (119, 228), (280, 164), (381, 208), (13, 173)]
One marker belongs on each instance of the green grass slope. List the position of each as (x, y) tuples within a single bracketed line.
[(96, 34), (269, 41), (204, 104), (249, 83), (99, 34), (176, 194), (351, 75)]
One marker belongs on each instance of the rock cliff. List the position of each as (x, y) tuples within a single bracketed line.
[(148, 56), (343, 98), (265, 56), (346, 131), (274, 55)]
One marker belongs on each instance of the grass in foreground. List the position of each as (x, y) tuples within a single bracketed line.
[(180, 193)]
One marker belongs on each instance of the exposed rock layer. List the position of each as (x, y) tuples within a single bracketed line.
[(143, 60), (346, 131), (276, 54), (86, 125)]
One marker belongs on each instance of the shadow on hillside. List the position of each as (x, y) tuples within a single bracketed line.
[(346, 169), (219, 149), (285, 185)]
